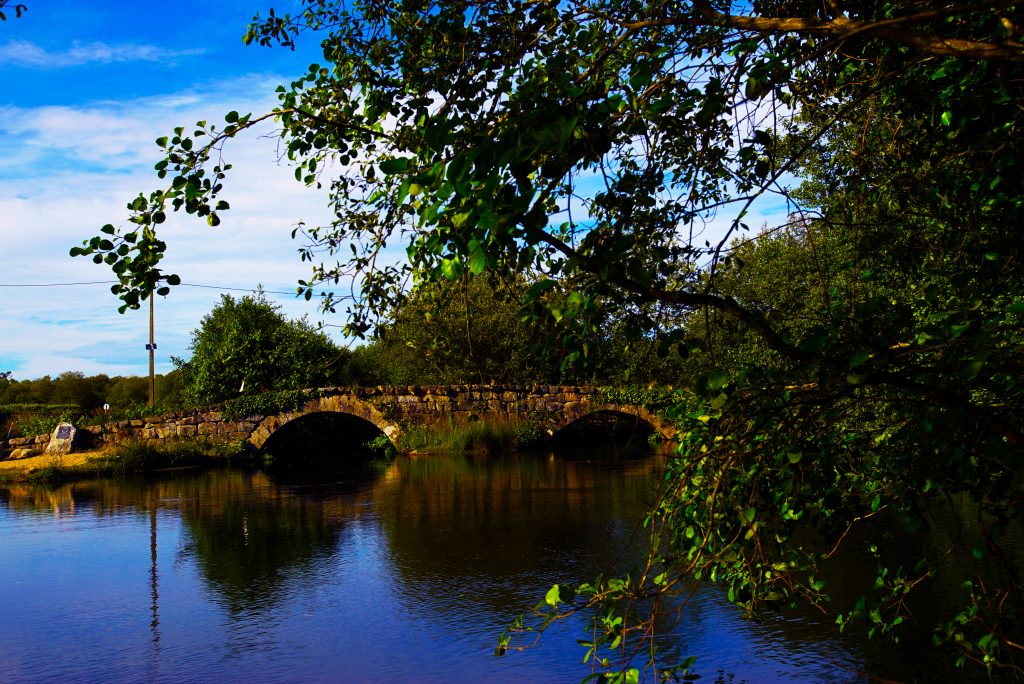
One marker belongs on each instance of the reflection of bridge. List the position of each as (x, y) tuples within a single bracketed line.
[(390, 409)]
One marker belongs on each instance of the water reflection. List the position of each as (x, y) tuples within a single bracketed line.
[(246, 535), (405, 572)]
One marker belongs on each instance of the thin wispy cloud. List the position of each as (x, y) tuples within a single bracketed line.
[(27, 54)]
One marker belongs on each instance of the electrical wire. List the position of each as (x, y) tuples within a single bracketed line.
[(222, 288)]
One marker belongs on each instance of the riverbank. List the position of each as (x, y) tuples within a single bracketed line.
[(122, 459), (81, 463)]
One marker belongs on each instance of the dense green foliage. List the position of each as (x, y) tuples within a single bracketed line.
[(88, 393), (266, 402), (249, 341), (474, 330), (856, 372), (467, 330)]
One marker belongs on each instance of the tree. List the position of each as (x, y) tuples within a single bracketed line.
[(73, 387), (462, 331), (474, 330), (126, 392), (249, 341), (590, 143)]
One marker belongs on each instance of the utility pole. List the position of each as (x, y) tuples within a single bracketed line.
[(152, 350)]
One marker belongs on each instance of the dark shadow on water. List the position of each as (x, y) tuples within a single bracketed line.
[(326, 447), (603, 435)]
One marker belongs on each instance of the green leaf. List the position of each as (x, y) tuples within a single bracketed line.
[(394, 166), (542, 286), (858, 358), (457, 168), (451, 269), (717, 380), (640, 75), (477, 261)]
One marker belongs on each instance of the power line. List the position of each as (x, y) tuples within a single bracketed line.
[(223, 288), (91, 282), (238, 289)]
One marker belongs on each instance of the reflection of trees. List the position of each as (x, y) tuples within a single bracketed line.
[(473, 541), (247, 535), (102, 497), (486, 529)]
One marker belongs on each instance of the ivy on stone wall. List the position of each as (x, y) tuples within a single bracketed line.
[(267, 402)]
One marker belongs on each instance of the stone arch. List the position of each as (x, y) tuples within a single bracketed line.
[(329, 404), (581, 410)]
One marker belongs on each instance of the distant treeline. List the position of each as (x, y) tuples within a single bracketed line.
[(74, 392)]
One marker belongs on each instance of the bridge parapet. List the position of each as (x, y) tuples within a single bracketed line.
[(391, 409)]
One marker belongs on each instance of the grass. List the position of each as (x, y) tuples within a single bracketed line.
[(130, 458), (137, 457), (480, 436)]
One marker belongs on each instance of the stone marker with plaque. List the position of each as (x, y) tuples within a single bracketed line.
[(62, 440)]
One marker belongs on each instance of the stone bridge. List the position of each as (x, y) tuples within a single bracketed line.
[(391, 409)]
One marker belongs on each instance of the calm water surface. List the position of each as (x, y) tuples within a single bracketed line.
[(404, 574)]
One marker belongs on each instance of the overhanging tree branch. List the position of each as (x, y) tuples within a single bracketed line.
[(842, 28)]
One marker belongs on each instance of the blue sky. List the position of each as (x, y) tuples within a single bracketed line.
[(87, 88)]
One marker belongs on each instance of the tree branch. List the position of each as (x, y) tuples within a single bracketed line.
[(842, 28), (727, 305)]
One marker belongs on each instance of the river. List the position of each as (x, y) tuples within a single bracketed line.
[(403, 572)]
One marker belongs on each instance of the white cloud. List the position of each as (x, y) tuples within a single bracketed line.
[(24, 53), (69, 170)]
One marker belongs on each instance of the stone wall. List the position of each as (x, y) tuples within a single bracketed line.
[(391, 409)]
